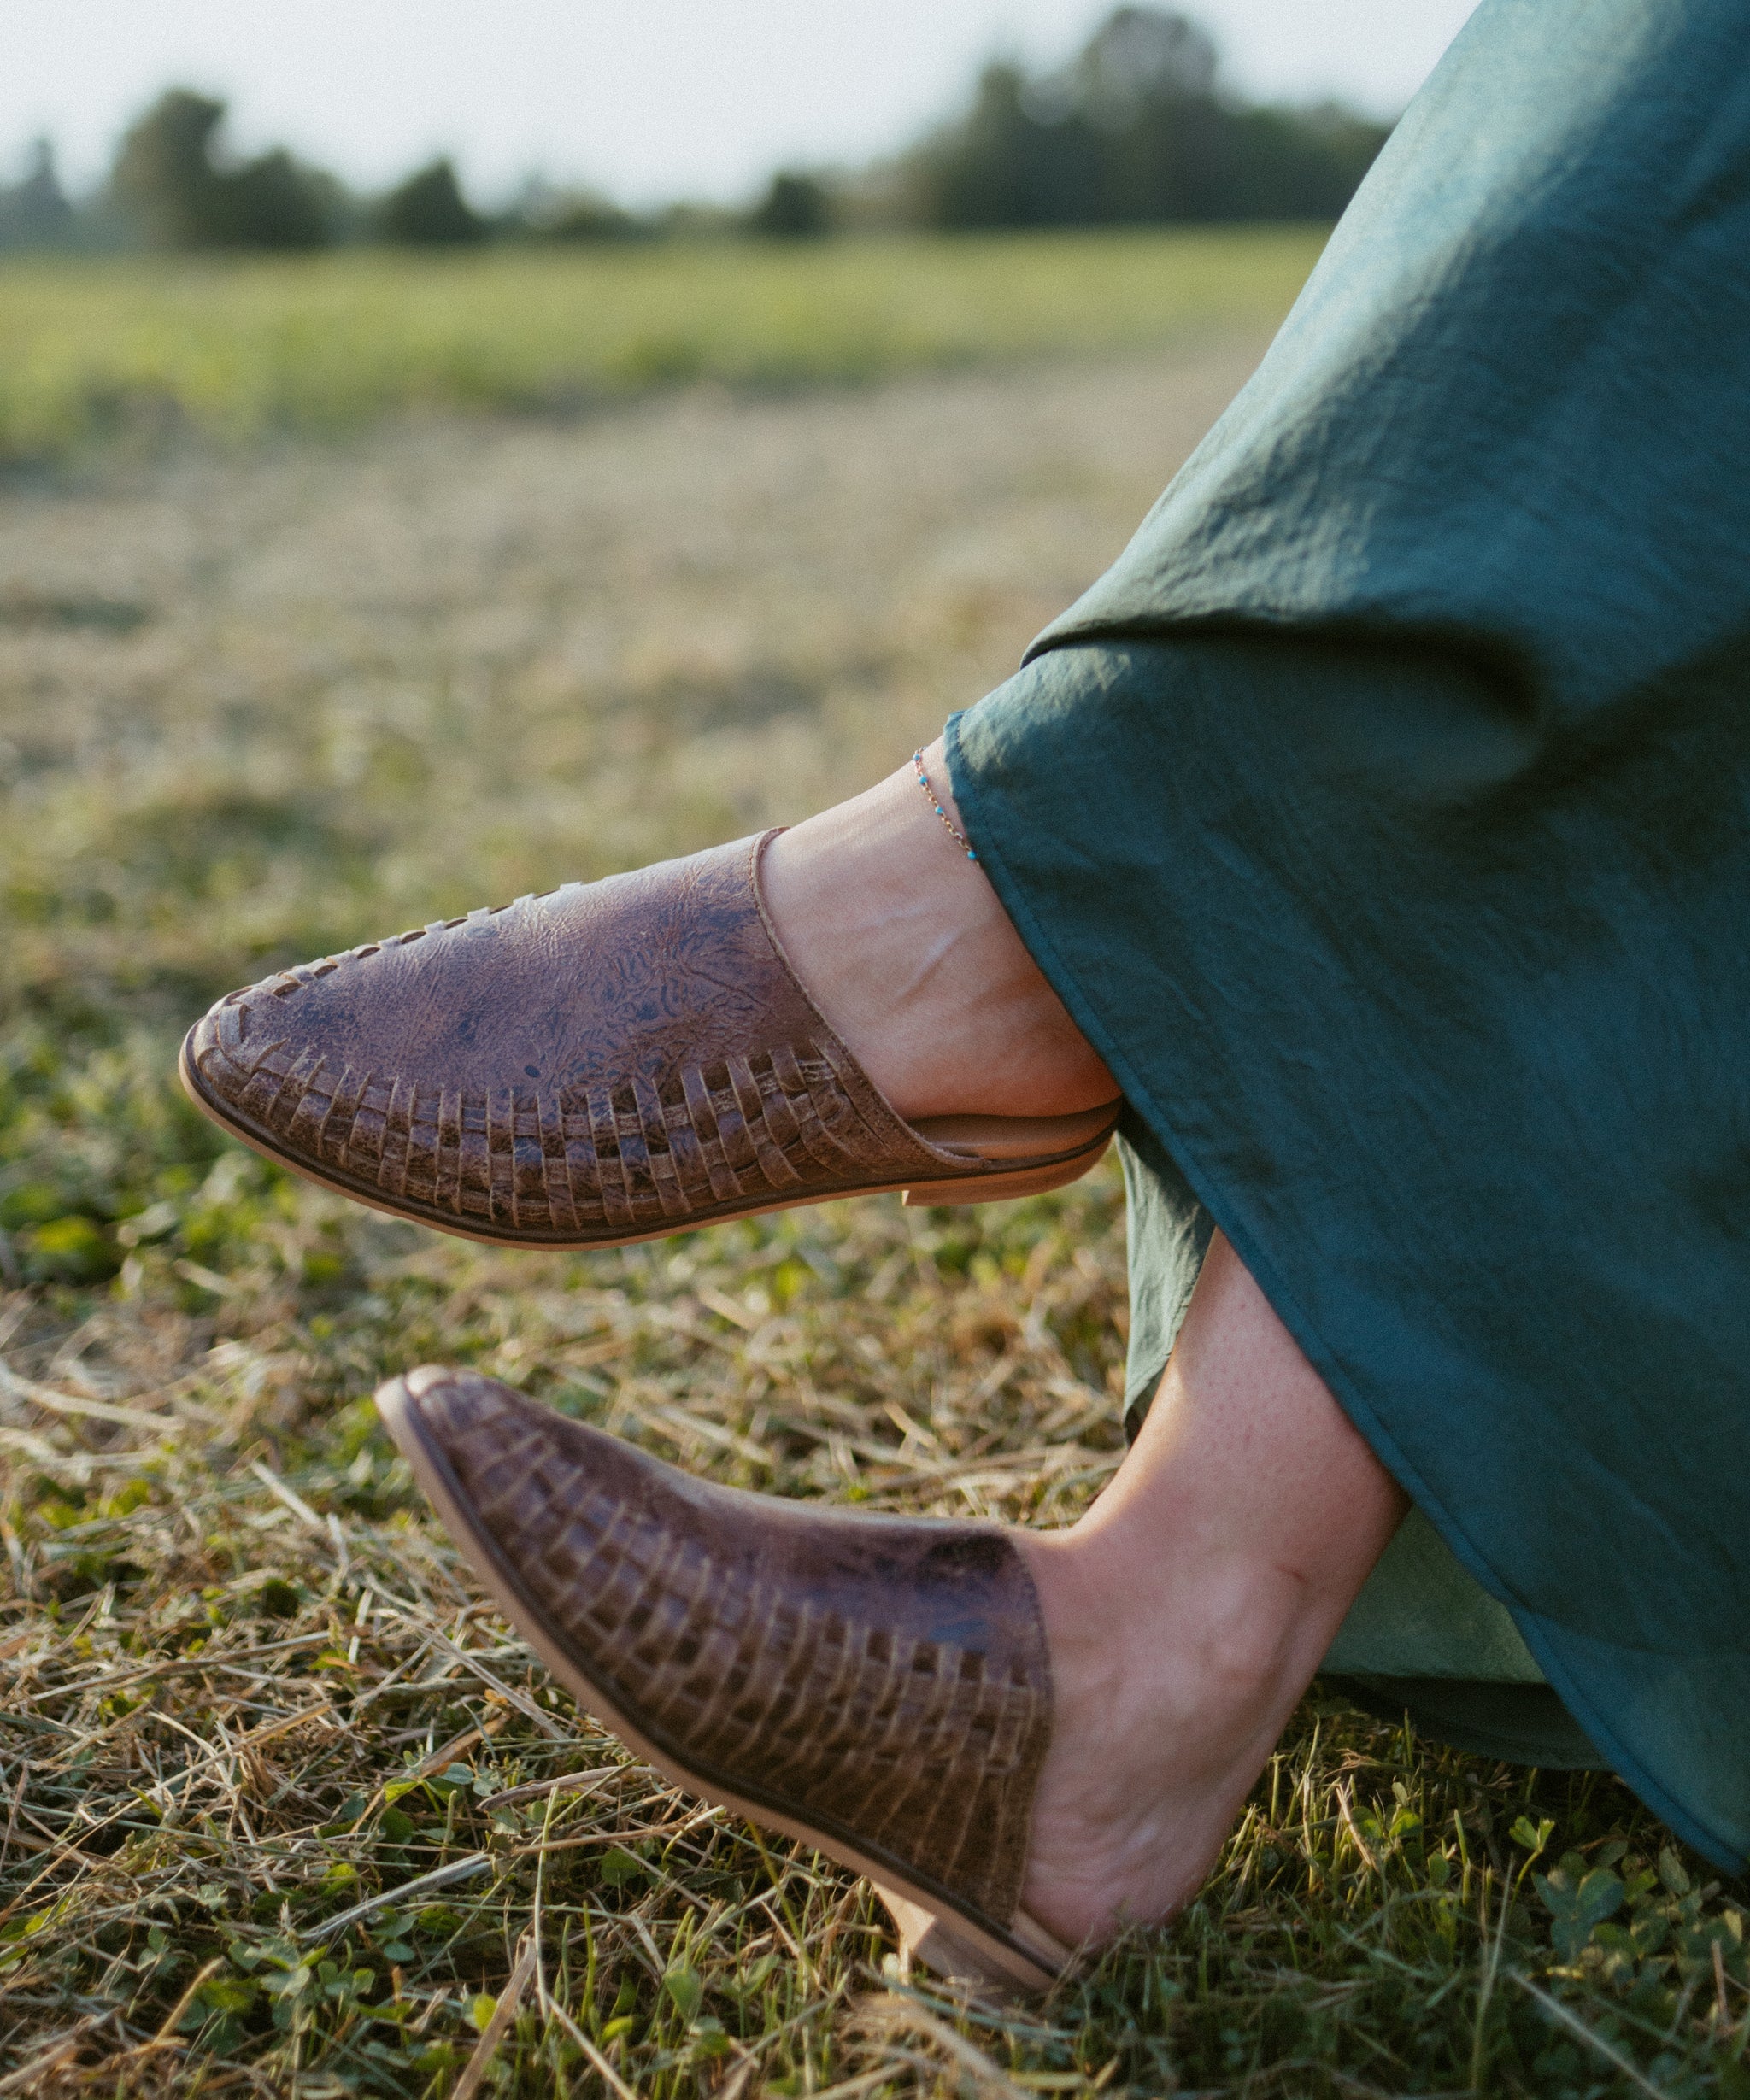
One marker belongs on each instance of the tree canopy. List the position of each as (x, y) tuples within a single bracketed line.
[(1135, 128), (428, 211), (169, 178)]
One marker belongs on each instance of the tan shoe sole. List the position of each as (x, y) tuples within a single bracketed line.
[(1026, 1957)]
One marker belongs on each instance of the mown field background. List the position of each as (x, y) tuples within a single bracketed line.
[(305, 637)]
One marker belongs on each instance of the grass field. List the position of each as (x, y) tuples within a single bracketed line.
[(135, 351), (258, 704)]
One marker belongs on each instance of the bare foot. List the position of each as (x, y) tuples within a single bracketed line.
[(901, 943), (1157, 1737), (1187, 1612)]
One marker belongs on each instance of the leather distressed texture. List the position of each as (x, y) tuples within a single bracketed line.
[(881, 1682), (604, 1062)]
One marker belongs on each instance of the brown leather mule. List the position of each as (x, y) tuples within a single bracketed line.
[(876, 1686), (608, 1062)]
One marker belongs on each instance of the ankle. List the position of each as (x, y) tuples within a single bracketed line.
[(1198, 1651), (902, 943)]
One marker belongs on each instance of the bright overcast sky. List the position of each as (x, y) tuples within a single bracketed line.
[(649, 99)]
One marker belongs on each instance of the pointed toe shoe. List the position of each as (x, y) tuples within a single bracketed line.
[(876, 1686), (610, 1062)]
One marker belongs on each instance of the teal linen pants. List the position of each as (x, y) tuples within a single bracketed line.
[(1382, 817)]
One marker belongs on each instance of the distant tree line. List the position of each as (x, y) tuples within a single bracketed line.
[(1137, 129)]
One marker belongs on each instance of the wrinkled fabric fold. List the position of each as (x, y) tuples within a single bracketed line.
[(1383, 819)]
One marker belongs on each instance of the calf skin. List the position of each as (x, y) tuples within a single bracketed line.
[(609, 1061), (877, 1685)]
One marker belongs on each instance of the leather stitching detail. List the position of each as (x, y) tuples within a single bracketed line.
[(299, 1061), (515, 1157)]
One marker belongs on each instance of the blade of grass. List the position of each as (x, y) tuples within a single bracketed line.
[(480, 2060), (422, 1885), (1564, 2016)]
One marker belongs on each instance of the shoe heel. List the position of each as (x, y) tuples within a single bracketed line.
[(1004, 1187), (956, 1950)]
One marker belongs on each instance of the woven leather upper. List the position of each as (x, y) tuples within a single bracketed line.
[(607, 1058), (882, 1679)]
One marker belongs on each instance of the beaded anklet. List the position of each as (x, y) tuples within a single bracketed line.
[(955, 831)]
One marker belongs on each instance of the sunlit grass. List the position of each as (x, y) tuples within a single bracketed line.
[(139, 349)]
